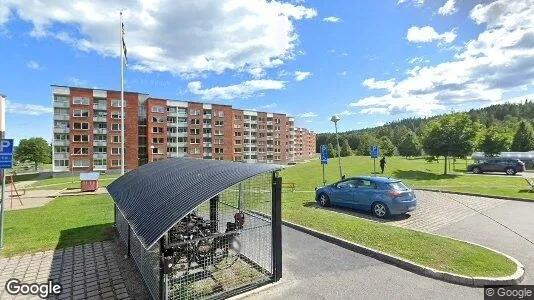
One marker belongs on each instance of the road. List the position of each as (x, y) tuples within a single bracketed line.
[(314, 269)]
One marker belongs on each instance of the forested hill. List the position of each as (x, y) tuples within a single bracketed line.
[(504, 117)]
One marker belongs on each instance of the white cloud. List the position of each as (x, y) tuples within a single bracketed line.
[(182, 37), (373, 84), (332, 19), (307, 115), (300, 76), (428, 34), (447, 8), (499, 60), (418, 60), (27, 109), (77, 82), (33, 65), (346, 113), (416, 3), (343, 73), (270, 105), (242, 90)]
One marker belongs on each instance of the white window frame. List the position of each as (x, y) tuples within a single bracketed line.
[(80, 100), (81, 113), (158, 109)]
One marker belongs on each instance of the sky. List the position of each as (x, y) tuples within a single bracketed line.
[(369, 62)]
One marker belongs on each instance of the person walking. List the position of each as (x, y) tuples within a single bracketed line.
[(383, 164)]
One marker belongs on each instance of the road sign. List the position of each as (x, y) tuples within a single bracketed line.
[(6, 153), (374, 151), (324, 155)]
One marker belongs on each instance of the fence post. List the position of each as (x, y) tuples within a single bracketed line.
[(276, 224), (214, 222)]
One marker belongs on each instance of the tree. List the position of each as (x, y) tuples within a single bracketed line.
[(523, 138), (345, 148), (35, 150), (451, 135), (386, 146), (493, 142), (332, 152), (366, 141), (410, 145)]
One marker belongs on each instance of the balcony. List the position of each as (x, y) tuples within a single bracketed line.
[(61, 142), (61, 117), (181, 124), (100, 106), (99, 155), (100, 167), (61, 104), (61, 155), (206, 144), (182, 114), (208, 154), (207, 116), (99, 119), (61, 130), (269, 122), (100, 143), (100, 131), (206, 135), (206, 125)]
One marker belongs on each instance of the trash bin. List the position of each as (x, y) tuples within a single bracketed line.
[(89, 181)]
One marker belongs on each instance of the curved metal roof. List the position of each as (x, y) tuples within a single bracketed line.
[(154, 197)]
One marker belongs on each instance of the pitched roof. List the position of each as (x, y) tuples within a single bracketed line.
[(154, 197)]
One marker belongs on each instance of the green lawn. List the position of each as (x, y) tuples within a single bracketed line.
[(416, 173), (68, 182), (64, 222), (429, 250)]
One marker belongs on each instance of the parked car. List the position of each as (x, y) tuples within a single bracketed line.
[(509, 166), (381, 196)]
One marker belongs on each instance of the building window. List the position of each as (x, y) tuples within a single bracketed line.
[(158, 140), (218, 132), (116, 163), (194, 112), (81, 138), (171, 149), (171, 109), (194, 131), (116, 127), (80, 113), (218, 123), (115, 151), (195, 122), (237, 117), (219, 141), (80, 100), (220, 114), (195, 150), (158, 119), (157, 129), (100, 150), (238, 150), (101, 125), (61, 149), (237, 133), (61, 136), (237, 142), (158, 109), (219, 150), (116, 139), (194, 141), (117, 103), (80, 151), (100, 162), (116, 115), (81, 163), (61, 163), (81, 126)]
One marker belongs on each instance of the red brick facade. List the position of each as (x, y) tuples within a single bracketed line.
[(158, 128)]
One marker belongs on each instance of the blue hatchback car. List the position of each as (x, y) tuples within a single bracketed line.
[(381, 196)]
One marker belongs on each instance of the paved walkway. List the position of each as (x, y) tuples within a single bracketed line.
[(87, 271), (30, 199)]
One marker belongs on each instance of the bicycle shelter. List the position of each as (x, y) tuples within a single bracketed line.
[(200, 228)]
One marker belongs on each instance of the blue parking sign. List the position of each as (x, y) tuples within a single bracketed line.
[(6, 153), (374, 151), (324, 155)]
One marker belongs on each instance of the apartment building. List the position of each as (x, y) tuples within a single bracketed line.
[(87, 131)]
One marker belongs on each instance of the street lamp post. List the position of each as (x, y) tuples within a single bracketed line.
[(336, 119)]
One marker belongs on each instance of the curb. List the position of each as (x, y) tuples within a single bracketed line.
[(473, 194), (257, 290), (514, 279)]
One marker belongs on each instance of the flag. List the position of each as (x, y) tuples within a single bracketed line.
[(124, 46)]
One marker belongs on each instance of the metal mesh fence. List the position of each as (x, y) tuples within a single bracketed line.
[(224, 245), (147, 261), (231, 248)]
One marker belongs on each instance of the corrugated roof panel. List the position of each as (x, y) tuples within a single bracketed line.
[(154, 197)]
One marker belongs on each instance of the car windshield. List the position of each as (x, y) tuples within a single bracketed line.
[(398, 186)]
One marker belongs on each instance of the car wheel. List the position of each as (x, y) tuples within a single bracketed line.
[(380, 210), (476, 170), (324, 201), (510, 171)]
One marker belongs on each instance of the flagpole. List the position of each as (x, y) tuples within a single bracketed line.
[(122, 95)]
